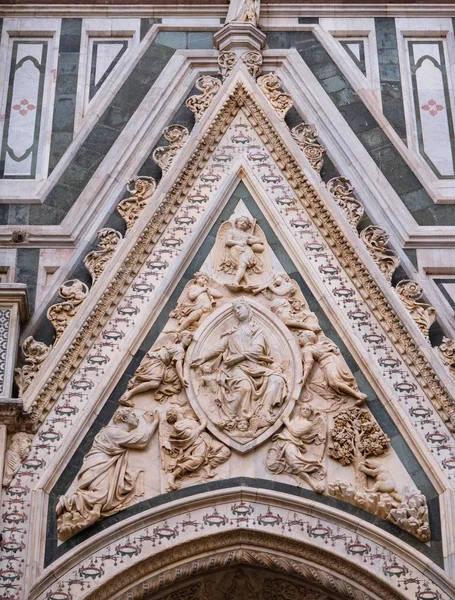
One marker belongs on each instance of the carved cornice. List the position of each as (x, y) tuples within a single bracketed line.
[(267, 551), (317, 209)]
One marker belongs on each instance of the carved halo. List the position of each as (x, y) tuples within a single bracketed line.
[(283, 349)]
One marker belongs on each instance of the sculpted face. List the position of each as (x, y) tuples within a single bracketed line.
[(243, 223), (186, 337), (171, 416), (241, 311), (132, 419), (306, 412)]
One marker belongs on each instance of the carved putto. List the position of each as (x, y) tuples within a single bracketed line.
[(199, 299), (35, 353), (176, 135), (209, 86), (141, 190), (17, 453), (73, 292), (376, 240), (270, 84), (342, 192), (307, 138), (106, 483), (95, 262), (241, 245), (423, 314)]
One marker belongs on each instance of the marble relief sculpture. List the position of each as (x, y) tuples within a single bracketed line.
[(298, 449), (18, 451), (106, 483), (161, 371), (188, 449), (250, 385), (243, 11), (198, 300)]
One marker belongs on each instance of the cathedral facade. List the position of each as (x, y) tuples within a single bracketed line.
[(227, 292)]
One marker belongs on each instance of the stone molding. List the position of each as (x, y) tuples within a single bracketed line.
[(317, 208)]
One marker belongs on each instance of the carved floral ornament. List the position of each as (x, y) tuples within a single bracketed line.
[(242, 362), (177, 136), (305, 193)]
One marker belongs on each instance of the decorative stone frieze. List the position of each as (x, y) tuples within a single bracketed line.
[(306, 137), (35, 353), (376, 240), (95, 262), (342, 192), (177, 136), (447, 353), (73, 292), (209, 86), (423, 314), (141, 190), (270, 84)]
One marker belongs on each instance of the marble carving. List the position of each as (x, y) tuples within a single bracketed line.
[(241, 366), (17, 453)]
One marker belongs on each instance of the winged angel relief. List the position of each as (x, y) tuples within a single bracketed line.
[(242, 360)]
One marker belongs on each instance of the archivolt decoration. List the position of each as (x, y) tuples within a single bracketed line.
[(316, 207)]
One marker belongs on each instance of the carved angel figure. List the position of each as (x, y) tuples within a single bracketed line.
[(106, 482), (294, 312), (18, 451), (384, 482), (161, 370), (290, 450), (200, 299), (250, 387), (189, 449), (336, 373), (241, 249), (243, 11)]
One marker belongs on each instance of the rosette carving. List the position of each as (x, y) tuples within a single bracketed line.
[(423, 314), (376, 240), (96, 261), (447, 353), (253, 62), (141, 189), (270, 84), (73, 292), (177, 136), (209, 86), (306, 137), (35, 353), (226, 62), (342, 191)]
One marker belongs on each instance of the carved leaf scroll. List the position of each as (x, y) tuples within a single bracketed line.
[(226, 62), (376, 239), (73, 292), (96, 261), (141, 189), (342, 192), (176, 135), (198, 104), (270, 84), (306, 137), (35, 354), (423, 314), (447, 353)]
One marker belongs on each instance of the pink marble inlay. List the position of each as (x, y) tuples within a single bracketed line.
[(433, 107)]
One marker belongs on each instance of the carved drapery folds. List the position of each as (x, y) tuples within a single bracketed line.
[(376, 240), (423, 314), (95, 262), (198, 104), (177, 136), (35, 353), (141, 190), (306, 137), (73, 292), (270, 84), (342, 192)]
